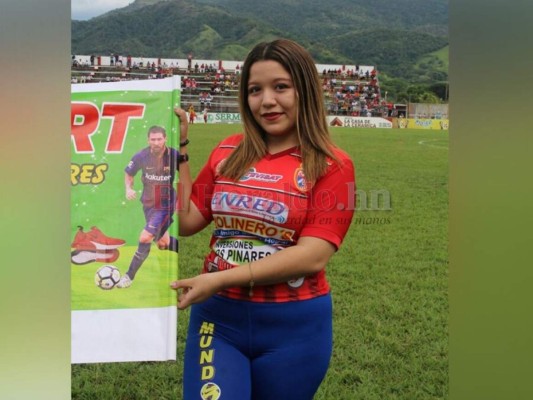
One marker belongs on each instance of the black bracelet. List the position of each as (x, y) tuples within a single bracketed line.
[(184, 143), (183, 158)]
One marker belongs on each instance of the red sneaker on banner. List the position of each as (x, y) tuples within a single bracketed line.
[(103, 242), (81, 241), (81, 257)]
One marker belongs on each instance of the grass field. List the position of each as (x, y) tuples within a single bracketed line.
[(151, 289), (389, 280)]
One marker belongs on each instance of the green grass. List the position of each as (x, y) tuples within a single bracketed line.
[(389, 280), (151, 284)]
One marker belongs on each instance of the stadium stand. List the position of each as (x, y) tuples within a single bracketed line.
[(213, 84)]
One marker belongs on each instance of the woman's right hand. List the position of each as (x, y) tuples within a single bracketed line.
[(184, 124)]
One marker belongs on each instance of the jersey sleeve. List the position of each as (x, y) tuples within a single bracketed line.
[(202, 191), (332, 204), (134, 165), (203, 186)]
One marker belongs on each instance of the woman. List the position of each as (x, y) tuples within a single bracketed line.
[(281, 197)]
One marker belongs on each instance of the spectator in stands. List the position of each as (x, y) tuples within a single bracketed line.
[(201, 99), (188, 84), (227, 83)]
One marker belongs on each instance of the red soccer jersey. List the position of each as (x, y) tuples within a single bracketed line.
[(269, 209)]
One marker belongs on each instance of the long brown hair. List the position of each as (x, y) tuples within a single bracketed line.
[(311, 126)]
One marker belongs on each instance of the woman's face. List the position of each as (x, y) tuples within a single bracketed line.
[(272, 99)]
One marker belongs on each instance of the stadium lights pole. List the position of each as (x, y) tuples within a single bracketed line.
[(408, 111), (409, 100)]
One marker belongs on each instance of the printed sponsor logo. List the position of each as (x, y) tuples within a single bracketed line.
[(225, 233), (253, 175), (267, 209), (296, 283), (207, 353), (257, 228), (157, 178), (423, 122), (235, 244), (212, 266), (242, 251), (359, 123), (210, 391), (227, 117), (214, 263)]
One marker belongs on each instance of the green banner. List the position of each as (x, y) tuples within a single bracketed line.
[(109, 125)]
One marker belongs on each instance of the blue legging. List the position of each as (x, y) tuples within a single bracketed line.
[(240, 350)]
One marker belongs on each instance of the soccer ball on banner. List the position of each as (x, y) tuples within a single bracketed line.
[(107, 277)]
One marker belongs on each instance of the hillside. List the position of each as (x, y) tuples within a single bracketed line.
[(392, 35), (318, 19)]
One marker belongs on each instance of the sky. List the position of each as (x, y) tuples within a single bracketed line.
[(87, 9)]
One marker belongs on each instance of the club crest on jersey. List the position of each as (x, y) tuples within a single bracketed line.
[(253, 175), (299, 180)]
